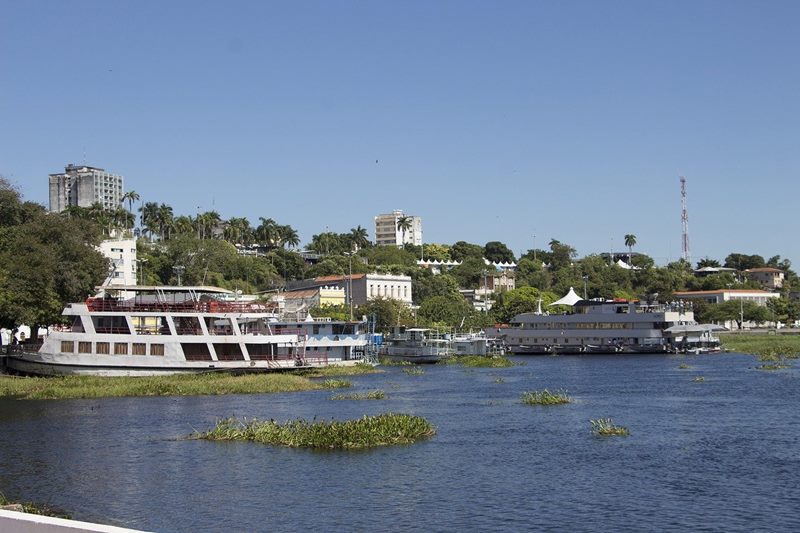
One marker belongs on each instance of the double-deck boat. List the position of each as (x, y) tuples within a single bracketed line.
[(168, 330), (416, 345), (607, 326)]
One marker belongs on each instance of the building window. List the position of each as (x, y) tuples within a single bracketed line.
[(120, 348)]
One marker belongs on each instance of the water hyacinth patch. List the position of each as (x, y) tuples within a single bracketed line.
[(698, 379), (336, 384), (604, 427), (479, 361), (368, 431), (545, 397), (371, 395), (416, 371)]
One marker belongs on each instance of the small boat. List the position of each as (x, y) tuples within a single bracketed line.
[(416, 345)]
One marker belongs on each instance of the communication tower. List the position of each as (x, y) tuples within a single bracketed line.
[(685, 223)]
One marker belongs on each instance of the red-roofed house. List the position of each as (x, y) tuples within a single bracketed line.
[(769, 277)]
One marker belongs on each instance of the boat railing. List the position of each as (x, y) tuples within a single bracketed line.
[(213, 306)]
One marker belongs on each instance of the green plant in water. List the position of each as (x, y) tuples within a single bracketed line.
[(369, 431), (371, 395), (336, 384), (479, 361), (499, 380), (698, 379), (341, 370), (416, 371), (385, 361), (545, 397), (683, 366), (604, 427)]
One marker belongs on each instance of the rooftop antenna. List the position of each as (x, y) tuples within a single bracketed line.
[(685, 223)]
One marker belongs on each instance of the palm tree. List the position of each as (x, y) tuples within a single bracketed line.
[(183, 225), (630, 242), (359, 237), (148, 219), (288, 236), (165, 219), (267, 232), (403, 225), (237, 230), (130, 196)]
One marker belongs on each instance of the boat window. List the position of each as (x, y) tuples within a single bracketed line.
[(261, 351), (77, 325), (316, 329), (102, 348), (187, 325), (84, 347), (150, 325), (156, 349), (196, 351), (228, 352), (218, 325), (120, 348), (139, 348), (111, 324)]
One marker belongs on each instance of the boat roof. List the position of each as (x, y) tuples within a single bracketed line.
[(165, 288)]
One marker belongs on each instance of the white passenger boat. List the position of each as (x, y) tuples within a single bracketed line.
[(603, 326), (416, 345), (168, 330)]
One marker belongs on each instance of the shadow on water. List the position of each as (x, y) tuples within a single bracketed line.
[(718, 454)]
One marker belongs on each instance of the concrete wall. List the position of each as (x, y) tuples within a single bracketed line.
[(14, 522)]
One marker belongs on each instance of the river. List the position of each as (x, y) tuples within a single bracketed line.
[(718, 455)]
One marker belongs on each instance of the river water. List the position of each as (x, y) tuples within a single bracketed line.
[(718, 455)]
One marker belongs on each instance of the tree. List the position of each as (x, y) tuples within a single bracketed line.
[(436, 252), (497, 252), (148, 218), (164, 218), (735, 310), (387, 313), (425, 285), (708, 262), (450, 310), (359, 237), (461, 250), (403, 225), (288, 236), (561, 254), (523, 300), (130, 197), (743, 261), (630, 242), (389, 255), (468, 274)]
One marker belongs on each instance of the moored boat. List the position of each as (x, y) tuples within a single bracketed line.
[(416, 345), (168, 330)]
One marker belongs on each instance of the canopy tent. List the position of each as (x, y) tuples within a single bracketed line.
[(570, 299)]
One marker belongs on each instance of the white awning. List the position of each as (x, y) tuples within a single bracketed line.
[(570, 299)]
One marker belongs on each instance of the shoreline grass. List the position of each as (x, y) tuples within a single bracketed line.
[(369, 395), (366, 432), (604, 427), (787, 346), (214, 383), (32, 508), (341, 370), (545, 397)]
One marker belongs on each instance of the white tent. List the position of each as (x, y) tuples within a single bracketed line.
[(570, 299)]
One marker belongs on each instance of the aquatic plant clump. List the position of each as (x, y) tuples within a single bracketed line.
[(341, 370), (683, 366), (369, 431), (336, 384), (545, 397), (416, 371), (371, 395), (698, 379), (780, 346), (480, 361), (604, 427)]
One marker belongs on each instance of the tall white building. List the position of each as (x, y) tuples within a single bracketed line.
[(122, 253), (387, 232), (83, 186)]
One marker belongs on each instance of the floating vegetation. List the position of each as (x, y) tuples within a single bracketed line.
[(545, 397), (371, 395), (416, 371), (499, 380), (773, 361), (369, 431), (698, 379), (385, 361), (341, 370), (336, 384), (31, 508), (683, 366), (209, 383), (479, 361), (604, 427)]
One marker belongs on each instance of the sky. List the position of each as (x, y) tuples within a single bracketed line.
[(513, 121)]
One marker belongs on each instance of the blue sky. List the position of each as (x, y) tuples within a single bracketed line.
[(490, 120)]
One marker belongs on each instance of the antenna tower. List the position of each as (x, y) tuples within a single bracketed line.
[(685, 223)]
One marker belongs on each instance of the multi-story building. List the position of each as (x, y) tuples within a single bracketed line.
[(363, 288), (723, 295), (122, 254), (388, 234), (83, 186), (769, 278)]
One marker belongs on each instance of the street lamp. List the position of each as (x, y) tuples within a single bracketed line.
[(179, 269), (485, 293), (585, 279), (141, 263), (350, 282)]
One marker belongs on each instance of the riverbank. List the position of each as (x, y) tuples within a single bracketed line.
[(761, 343), (214, 383)]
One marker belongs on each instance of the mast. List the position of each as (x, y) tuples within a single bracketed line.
[(684, 223)]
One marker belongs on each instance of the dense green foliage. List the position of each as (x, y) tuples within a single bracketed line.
[(604, 427), (545, 397), (369, 431)]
